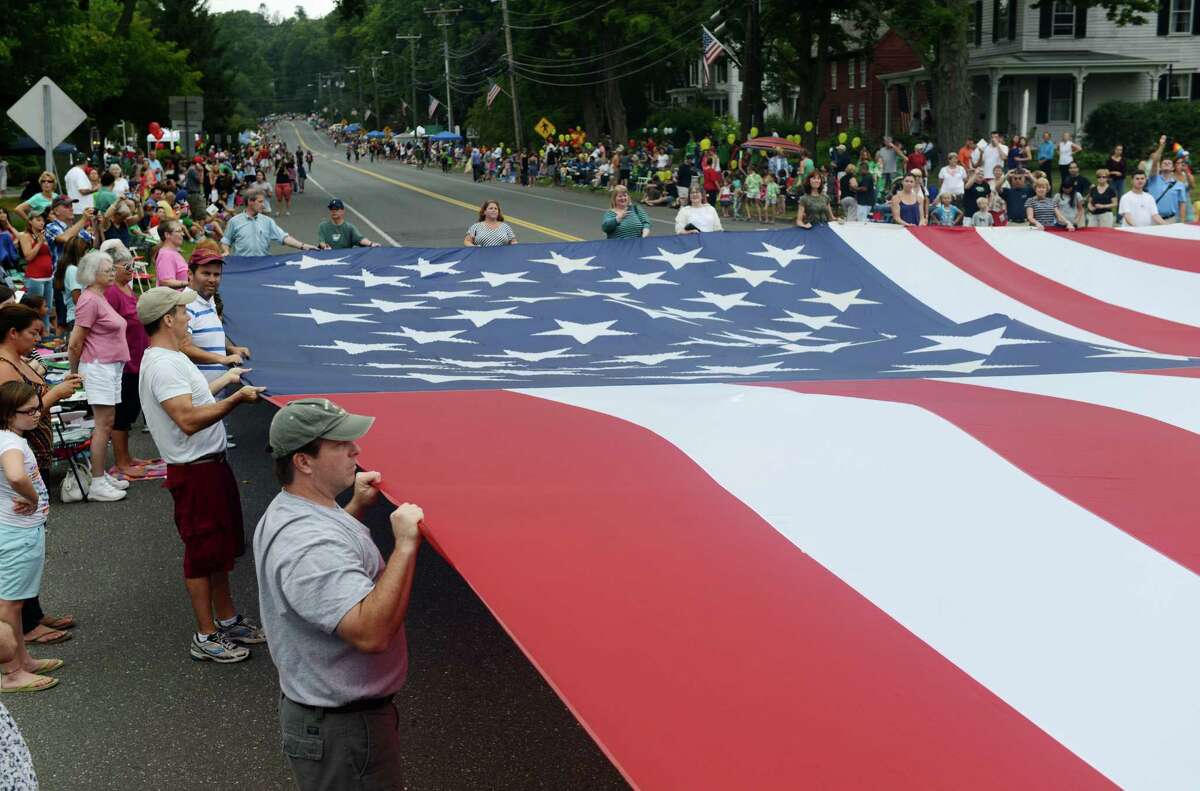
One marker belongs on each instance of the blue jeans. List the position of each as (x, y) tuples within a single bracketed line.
[(43, 287)]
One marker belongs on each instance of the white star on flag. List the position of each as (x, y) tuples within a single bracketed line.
[(839, 300), (566, 265), (370, 279), (640, 281), (1136, 353), (495, 279), (536, 357), (827, 348), (790, 337), (657, 359), (528, 300), (583, 292), (724, 301), (392, 307), (981, 343), (467, 294), (424, 268), (813, 322), (709, 342), (481, 318), (678, 261), (358, 348), (654, 313), (967, 367), (418, 336), (706, 315), (308, 262), (584, 333), (474, 364), (307, 290), (325, 317), (755, 277), (743, 370), (784, 257)]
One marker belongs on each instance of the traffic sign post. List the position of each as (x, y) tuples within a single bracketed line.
[(187, 116), (47, 115), (545, 128)]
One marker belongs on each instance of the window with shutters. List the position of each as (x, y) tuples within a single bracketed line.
[(833, 76), (850, 72), (1181, 15), (862, 115), (1062, 98), (1000, 20), (1180, 86), (1062, 19), (850, 115), (862, 73)]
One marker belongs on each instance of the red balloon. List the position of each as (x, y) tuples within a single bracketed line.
[(156, 130)]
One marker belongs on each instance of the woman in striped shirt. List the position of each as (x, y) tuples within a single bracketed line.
[(1042, 211), (491, 230), (625, 220)]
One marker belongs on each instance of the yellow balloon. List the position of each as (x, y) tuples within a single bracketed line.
[(855, 142), (841, 137), (732, 137), (705, 144), (808, 126), (754, 131)]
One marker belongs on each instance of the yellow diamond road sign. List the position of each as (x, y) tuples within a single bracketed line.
[(545, 128)]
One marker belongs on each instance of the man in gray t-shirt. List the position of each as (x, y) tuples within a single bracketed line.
[(332, 608)]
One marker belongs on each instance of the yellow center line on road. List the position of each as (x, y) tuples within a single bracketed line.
[(566, 237)]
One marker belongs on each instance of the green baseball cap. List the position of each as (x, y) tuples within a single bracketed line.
[(305, 419)]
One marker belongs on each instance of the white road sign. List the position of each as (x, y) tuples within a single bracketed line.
[(46, 114)]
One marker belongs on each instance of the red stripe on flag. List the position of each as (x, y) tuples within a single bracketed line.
[(1165, 251), (1189, 373), (1133, 471), (969, 252), (698, 646)]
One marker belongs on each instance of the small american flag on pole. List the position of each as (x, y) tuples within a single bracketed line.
[(492, 93), (713, 50), (433, 104)]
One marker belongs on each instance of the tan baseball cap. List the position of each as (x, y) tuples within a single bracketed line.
[(159, 301), (305, 419)]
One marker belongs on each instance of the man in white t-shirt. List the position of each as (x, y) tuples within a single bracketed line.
[(185, 421), (1137, 207), (953, 178), (988, 154), (79, 187)]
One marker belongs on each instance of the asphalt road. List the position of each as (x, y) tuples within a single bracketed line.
[(134, 712)]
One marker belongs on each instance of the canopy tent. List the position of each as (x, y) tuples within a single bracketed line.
[(354, 127), (911, 491), (26, 145), (446, 136), (773, 143), (376, 134)]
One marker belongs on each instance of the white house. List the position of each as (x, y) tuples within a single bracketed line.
[(721, 91), (1036, 70)]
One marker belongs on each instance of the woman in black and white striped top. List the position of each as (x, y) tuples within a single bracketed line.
[(1042, 211), (491, 230)]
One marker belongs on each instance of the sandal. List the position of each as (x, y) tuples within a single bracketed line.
[(48, 637), (58, 622), (43, 682), (47, 666)]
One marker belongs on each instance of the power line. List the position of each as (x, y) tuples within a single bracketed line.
[(638, 70), (587, 13), (538, 68)]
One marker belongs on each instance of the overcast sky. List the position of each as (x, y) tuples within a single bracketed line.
[(285, 8)]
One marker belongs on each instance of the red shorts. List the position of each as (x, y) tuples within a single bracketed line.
[(208, 515), (283, 191)]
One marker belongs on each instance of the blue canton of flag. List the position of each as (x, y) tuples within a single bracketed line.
[(783, 305)]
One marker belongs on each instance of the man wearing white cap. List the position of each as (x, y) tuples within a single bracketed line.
[(185, 421)]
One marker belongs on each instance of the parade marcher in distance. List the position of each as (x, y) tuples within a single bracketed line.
[(337, 234)]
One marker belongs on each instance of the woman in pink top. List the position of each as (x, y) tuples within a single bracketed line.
[(121, 296), (169, 266), (98, 350)]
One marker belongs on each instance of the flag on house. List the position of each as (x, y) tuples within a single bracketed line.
[(433, 105), (492, 93), (712, 48)]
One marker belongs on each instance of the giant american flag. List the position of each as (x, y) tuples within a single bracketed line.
[(855, 507)]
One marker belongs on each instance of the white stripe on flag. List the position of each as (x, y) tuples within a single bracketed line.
[(943, 287), (1084, 630), (1169, 399), (1174, 230), (1153, 290)]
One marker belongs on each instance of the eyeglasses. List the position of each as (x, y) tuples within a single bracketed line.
[(32, 411)]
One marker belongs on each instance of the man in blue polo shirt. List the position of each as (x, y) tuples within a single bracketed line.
[(1170, 194), (251, 232)]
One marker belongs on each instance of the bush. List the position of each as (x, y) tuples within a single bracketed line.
[(683, 119), (1091, 159), (776, 123), (823, 145), (1137, 126)]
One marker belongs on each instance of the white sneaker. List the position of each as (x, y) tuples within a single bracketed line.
[(116, 483), (104, 492)]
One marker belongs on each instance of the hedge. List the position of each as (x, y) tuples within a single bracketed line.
[(1138, 125)]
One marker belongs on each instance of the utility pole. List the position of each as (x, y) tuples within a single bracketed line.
[(512, 77), (412, 50), (375, 82), (443, 21)]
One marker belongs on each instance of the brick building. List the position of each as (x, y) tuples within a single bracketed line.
[(855, 97)]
